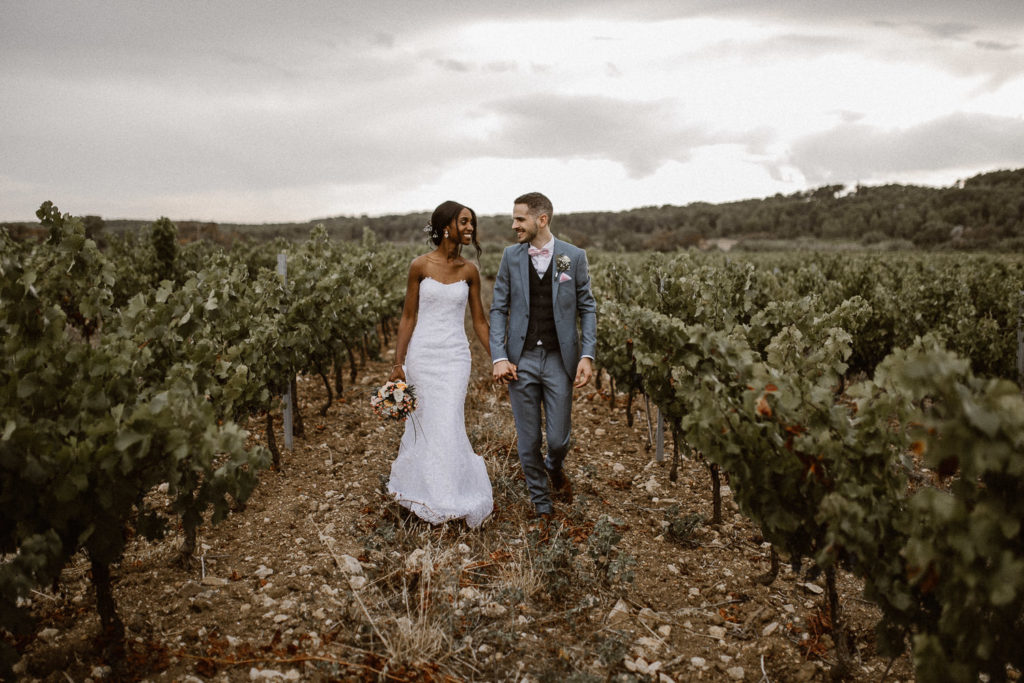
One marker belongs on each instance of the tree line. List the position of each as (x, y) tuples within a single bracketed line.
[(985, 211)]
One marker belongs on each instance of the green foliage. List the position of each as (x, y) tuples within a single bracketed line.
[(613, 565), (883, 301), (163, 237), (91, 421), (682, 527), (126, 370), (964, 549), (554, 559), (756, 384)]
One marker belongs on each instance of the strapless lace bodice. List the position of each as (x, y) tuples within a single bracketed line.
[(442, 311)]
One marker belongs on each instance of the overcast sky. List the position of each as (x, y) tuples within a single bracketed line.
[(243, 111)]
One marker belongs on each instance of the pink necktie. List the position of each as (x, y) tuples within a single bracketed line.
[(534, 251)]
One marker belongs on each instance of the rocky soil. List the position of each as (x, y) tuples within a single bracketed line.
[(321, 577)]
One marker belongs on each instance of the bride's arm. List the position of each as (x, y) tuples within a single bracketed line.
[(410, 310), (476, 308)]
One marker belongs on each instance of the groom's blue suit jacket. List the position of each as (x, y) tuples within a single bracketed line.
[(510, 309)]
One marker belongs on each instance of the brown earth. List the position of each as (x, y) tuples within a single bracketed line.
[(321, 576)]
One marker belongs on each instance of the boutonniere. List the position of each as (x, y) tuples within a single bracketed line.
[(563, 263)]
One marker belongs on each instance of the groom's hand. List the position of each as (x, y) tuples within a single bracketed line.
[(504, 372), (584, 371)]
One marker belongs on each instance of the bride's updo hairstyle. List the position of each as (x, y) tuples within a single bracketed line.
[(442, 218)]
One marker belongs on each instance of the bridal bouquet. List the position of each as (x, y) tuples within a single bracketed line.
[(394, 400)]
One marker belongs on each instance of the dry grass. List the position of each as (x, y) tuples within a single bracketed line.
[(517, 573)]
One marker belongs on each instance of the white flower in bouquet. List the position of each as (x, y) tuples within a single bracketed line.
[(394, 400)]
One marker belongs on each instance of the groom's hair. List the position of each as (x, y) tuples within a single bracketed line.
[(536, 203)]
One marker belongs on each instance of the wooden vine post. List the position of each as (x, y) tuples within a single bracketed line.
[(659, 438), (282, 270)]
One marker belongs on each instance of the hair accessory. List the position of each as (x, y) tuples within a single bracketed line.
[(428, 227)]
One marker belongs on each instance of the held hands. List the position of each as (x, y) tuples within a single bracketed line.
[(397, 373), (505, 372), (584, 371)]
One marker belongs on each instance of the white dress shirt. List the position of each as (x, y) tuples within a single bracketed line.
[(542, 261)]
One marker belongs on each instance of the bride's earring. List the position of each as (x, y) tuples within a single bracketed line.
[(446, 233)]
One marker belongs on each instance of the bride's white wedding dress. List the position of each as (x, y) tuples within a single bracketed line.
[(436, 474)]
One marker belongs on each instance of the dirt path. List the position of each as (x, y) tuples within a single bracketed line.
[(321, 577)]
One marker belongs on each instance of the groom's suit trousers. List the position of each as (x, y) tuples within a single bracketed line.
[(543, 383)]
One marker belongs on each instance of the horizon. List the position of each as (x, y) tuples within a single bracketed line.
[(847, 189)]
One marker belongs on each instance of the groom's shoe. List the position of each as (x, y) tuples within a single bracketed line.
[(561, 484), (540, 521)]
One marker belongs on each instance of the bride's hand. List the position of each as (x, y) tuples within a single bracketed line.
[(397, 373), (504, 372)]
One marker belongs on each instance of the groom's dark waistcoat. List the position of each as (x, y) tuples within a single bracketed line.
[(542, 312)]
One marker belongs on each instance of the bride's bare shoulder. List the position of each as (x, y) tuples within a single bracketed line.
[(418, 264), (470, 272)]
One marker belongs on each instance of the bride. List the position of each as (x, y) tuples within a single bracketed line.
[(436, 474)]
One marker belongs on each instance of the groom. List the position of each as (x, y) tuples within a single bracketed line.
[(542, 288)]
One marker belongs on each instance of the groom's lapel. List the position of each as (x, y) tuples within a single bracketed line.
[(555, 253), (524, 272)]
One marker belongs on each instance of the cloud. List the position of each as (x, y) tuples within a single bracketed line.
[(754, 142), (124, 103), (988, 49), (848, 116), (454, 65), (996, 45), (639, 135), (854, 151), (501, 67), (942, 16), (948, 29)]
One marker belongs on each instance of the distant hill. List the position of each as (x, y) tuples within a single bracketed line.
[(982, 212), (985, 211)]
